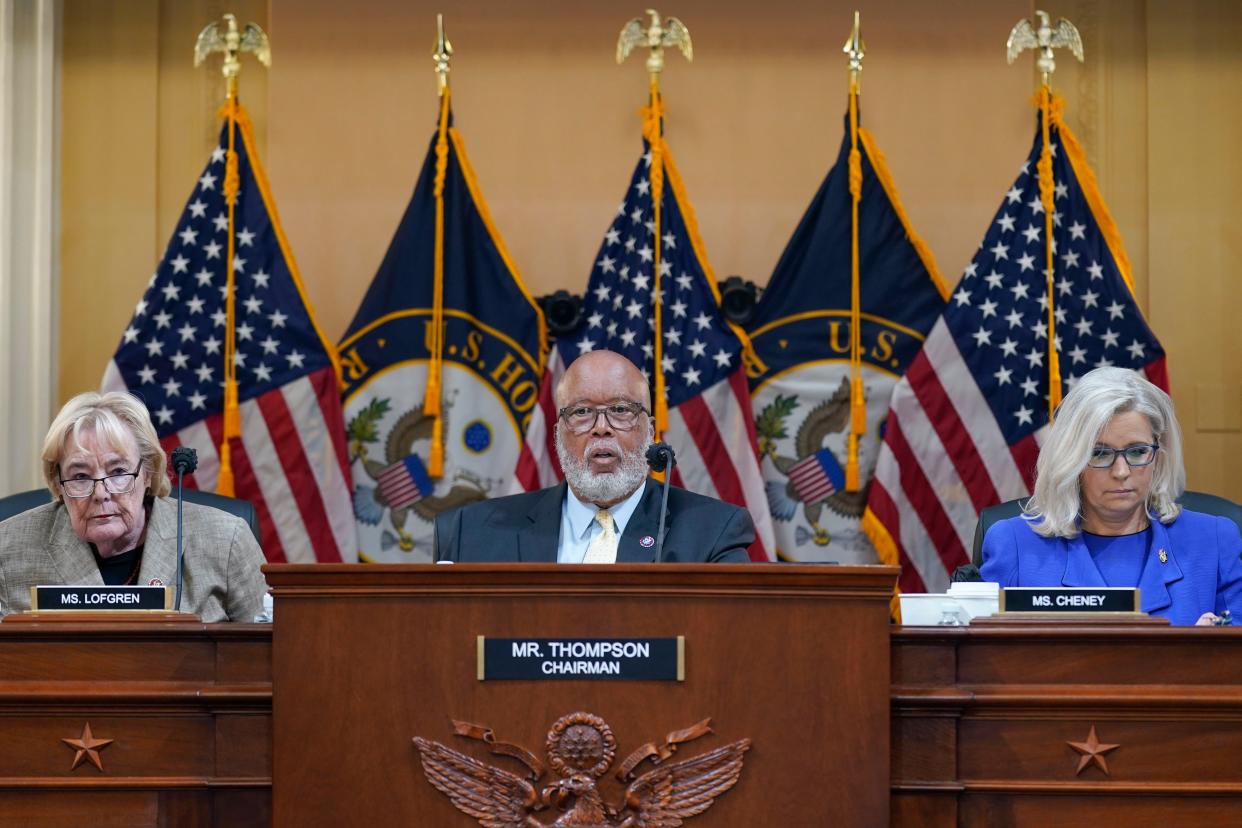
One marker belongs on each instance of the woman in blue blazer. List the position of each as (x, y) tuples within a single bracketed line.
[(1104, 510)]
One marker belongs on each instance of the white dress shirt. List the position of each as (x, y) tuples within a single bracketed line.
[(578, 526)]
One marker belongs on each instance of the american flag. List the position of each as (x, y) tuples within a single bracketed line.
[(290, 460), (405, 482), (710, 424), (966, 422), (817, 476)]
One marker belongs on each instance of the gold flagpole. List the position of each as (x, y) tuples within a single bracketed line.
[(231, 42), (854, 48), (435, 365), (1045, 38), (656, 37)]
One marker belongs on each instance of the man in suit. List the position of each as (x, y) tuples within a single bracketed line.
[(607, 510)]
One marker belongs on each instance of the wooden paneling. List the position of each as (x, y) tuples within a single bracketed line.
[(786, 656), (1195, 174), (349, 107), (187, 706), (991, 745)]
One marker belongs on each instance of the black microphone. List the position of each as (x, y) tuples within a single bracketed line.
[(660, 458), (184, 461)]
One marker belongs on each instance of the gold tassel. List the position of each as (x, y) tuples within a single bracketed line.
[(652, 117), (232, 411), (435, 365), (858, 403), (1046, 197)]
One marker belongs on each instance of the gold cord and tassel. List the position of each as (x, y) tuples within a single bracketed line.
[(653, 116)]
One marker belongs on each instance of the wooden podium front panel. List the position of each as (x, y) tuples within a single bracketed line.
[(186, 705), (983, 718), (793, 657)]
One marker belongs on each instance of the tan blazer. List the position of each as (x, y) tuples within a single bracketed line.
[(222, 580)]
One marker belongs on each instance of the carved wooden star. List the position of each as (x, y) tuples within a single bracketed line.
[(87, 747), (1092, 752)]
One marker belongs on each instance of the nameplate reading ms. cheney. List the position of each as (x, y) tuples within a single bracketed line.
[(96, 598), (1069, 599), (633, 659)]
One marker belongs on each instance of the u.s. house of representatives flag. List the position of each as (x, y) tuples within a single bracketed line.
[(967, 420), (488, 361), (801, 331), (290, 457), (709, 421)]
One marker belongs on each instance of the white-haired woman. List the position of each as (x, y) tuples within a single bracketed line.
[(112, 522), (1104, 511)]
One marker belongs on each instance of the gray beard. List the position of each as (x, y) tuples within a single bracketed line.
[(603, 488)]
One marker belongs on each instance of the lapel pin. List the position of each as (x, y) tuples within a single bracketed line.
[(1164, 556), (156, 582), (646, 541)]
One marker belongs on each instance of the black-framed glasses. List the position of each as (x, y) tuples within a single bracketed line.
[(622, 416), (1135, 456), (78, 487)]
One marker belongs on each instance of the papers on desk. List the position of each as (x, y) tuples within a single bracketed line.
[(964, 600)]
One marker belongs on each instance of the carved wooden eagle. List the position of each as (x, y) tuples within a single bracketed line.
[(660, 798)]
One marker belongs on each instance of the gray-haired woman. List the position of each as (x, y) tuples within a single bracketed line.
[(112, 522), (1105, 512)]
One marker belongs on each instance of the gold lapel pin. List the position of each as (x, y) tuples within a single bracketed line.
[(1164, 556)]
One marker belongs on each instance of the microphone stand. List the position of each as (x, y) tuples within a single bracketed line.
[(184, 460), (661, 459)]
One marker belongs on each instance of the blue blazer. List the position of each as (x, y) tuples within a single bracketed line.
[(1202, 571)]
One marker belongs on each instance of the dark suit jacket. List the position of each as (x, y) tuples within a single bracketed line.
[(527, 528)]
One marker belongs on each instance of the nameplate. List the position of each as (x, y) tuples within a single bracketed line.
[(97, 598), (1069, 599), (575, 659)]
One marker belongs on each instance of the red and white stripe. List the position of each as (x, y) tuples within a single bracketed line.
[(944, 460), (810, 480), (290, 462), (538, 466), (712, 435)]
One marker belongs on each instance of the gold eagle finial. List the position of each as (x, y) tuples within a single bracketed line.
[(1044, 37), (442, 55), (656, 37), (231, 42), (854, 49)]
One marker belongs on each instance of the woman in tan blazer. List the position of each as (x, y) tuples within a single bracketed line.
[(112, 521)]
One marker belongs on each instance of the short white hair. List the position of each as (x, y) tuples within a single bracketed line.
[(109, 416), (1055, 508)]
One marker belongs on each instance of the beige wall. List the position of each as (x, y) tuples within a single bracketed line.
[(345, 114)]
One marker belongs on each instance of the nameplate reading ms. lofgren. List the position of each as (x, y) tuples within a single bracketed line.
[(625, 659), (96, 598), (1069, 599)]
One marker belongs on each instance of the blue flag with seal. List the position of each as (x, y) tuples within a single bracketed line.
[(441, 364), (845, 311)]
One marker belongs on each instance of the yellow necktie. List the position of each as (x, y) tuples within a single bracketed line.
[(603, 547)]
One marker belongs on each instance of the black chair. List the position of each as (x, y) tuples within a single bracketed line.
[(244, 509), (1194, 501)]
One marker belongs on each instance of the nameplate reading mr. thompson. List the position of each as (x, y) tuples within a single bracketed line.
[(543, 659)]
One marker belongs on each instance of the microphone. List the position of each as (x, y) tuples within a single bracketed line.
[(184, 461), (660, 457)]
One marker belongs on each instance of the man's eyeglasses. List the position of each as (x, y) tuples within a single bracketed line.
[(1103, 458), (621, 416), (116, 484)]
